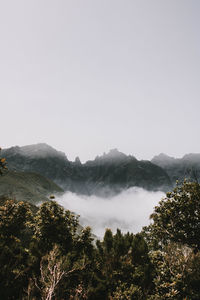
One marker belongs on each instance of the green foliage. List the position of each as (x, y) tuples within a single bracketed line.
[(14, 218), (177, 217), (176, 276), (123, 292), (123, 259), (54, 225), (3, 166), (27, 186), (44, 254), (15, 221), (174, 240)]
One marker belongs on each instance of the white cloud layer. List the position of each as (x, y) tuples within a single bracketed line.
[(128, 211)]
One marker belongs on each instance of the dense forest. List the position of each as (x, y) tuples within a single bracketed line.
[(45, 253)]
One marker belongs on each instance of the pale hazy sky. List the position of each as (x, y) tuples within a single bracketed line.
[(87, 76)]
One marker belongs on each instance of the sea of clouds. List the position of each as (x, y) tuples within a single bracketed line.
[(128, 211)]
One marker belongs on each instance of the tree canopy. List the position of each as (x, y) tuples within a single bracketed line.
[(2, 164), (46, 254), (177, 217)]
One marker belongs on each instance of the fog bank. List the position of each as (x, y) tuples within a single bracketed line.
[(128, 210)]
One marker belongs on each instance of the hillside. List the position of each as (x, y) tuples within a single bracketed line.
[(27, 186), (187, 167), (107, 174)]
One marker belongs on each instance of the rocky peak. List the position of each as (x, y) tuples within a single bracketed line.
[(113, 156), (163, 160), (35, 151), (192, 157), (77, 161)]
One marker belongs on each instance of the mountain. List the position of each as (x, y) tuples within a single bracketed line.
[(187, 167), (27, 186), (105, 175), (120, 171), (39, 158)]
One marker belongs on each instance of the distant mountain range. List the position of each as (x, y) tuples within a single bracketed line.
[(187, 167), (104, 176)]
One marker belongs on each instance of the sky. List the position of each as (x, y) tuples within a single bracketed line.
[(88, 76)]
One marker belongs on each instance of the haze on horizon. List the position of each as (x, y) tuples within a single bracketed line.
[(89, 76)]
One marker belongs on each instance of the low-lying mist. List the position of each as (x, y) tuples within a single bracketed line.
[(128, 211)]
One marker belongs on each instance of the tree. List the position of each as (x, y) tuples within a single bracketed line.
[(54, 225), (2, 164), (177, 217), (177, 273), (62, 254), (52, 270), (124, 270), (14, 253), (124, 292)]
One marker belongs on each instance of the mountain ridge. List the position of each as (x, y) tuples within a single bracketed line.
[(105, 175), (187, 167)]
